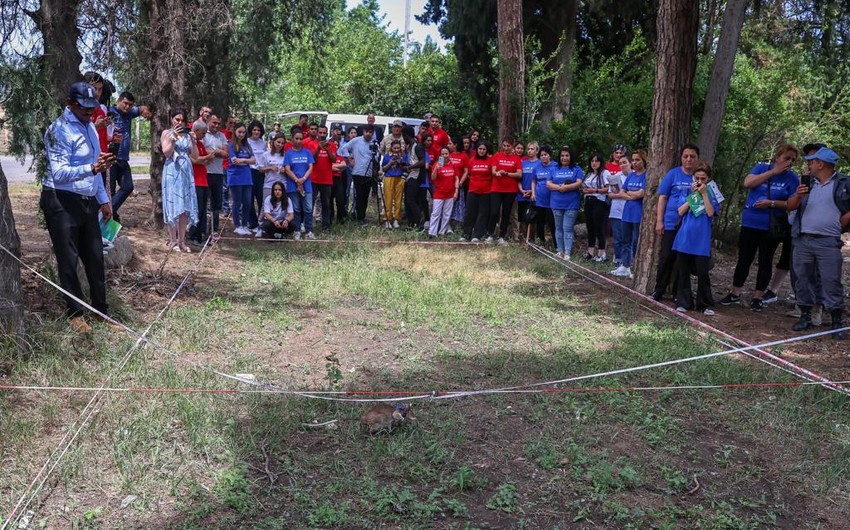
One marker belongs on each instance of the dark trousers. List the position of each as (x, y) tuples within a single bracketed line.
[(258, 178), (750, 242), (687, 264), (75, 233), (362, 190), (413, 203), (215, 182), (339, 192), (269, 229), (477, 215), (666, 262), (543, 219), (120, 174), (322, 193), (817, 263), (500, 212), (199, 231), (596, 217)]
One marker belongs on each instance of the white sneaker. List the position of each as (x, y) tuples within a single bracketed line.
[(502, 242), (567, 257), (559, 254), (627, 273), (297, 236), (450, 231), (619, 271), (709, 312), (258, 232), (242, 231), (475, 240), (461, 240), (395, 224), (303, 229), (311, 236), (489, 240), (388, 225), (278, 236), (681, 309)]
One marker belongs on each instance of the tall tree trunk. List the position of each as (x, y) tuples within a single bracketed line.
[(57, 22), (11, 295), (711, 11), (721, 75), (565, 25), (167, 82), (511, 66), (676, 50)]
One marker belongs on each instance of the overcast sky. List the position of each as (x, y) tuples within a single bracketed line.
[(394, 9)]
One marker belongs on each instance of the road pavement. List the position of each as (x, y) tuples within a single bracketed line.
[(17, 172)]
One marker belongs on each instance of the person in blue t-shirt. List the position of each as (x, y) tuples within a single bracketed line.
[(565, 199), (770, 187), (633, 191), (540, 194), (693, 244), (672, 193), (298, 165), (525, 206)]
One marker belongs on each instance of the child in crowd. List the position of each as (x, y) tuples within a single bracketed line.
[(693, 243)]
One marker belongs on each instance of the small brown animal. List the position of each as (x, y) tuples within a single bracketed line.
[(384, 418)]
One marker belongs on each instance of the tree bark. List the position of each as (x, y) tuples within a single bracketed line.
[(166, 82), (721, 76), (565, 26), (511, 66), (56, 20), (11, 294), (676, 50)]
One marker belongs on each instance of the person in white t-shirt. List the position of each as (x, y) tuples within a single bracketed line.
[(256, 133), (277, 216), (272, 165)]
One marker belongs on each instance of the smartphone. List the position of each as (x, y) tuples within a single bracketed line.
[(442, 161), (113, 148), (806, 180)]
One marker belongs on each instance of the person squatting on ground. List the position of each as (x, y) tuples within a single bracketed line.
[(277, 217), (72, 196), (823, 213)]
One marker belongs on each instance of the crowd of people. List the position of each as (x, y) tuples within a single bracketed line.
[(272, 184)]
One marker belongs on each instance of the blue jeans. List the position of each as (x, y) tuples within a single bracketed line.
[(617, 228), (120, 174), (242, 197), (630, 233), (302, 206), (564, 234)]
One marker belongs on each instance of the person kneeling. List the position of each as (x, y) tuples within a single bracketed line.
[(693, 243), (277, 214)]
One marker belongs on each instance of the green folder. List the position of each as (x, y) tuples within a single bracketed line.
[(109, 229)]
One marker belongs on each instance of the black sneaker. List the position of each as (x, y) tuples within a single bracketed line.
[(769, 297), (756, 305), (730, 299), (657, 295)]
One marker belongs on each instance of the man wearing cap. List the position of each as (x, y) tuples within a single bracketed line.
[(395, 135), (823, 212), (72, 196)]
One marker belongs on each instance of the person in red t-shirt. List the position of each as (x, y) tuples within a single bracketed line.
[(613, 163), (441, 137), (445, 177), (507, 174), (478, 196), (325, 157), (199, 231), (311, 139), (461, 160), (340, 180)]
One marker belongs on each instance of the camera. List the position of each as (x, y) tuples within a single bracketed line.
[(374, 148), (112, 115)]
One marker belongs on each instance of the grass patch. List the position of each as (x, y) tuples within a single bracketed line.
[(368, 317)]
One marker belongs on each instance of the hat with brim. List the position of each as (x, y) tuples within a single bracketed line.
[(84, 95), (824, 154), (398, 123)]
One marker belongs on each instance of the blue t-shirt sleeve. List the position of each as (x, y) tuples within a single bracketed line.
[(385, 160), (666, 185), (310, 159), (792, 184), (230, 151), (287, 158), (579, 173), (135, 112), (760, 168)]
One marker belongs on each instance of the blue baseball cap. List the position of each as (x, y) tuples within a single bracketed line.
[(824, 154), (84, 94)]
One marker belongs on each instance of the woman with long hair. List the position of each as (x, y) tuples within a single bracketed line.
[(565, 200), (507, 173), (277, 215), (446, 179), (478, 195), (273, 164), (179, 203), (256, 135), (596, 208), (633, 191), (525, 206), (239, 179), (460, 160), (618, 204)]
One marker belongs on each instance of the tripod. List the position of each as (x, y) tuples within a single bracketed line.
[(373, 171)]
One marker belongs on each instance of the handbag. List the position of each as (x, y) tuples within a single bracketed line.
[(778, 228)]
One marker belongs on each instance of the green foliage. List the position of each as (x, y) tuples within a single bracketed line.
[(233, 489), (505, 499)]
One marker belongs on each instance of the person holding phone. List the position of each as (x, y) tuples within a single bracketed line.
[(770, 186), (823, 213), (693, 243), (446, 179), (179, 201), (393, 165), (124, 112)]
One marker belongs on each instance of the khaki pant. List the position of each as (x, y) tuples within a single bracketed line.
[(393, 191)]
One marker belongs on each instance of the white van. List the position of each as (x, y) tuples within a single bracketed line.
[(346, 121)]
